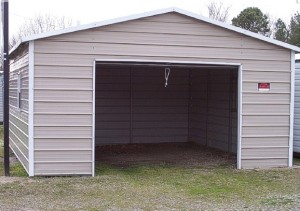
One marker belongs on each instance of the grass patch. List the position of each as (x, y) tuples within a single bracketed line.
[(216, 183), (160, 187), (17, 170)]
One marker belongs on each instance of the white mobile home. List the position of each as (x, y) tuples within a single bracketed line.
[(105, 83)]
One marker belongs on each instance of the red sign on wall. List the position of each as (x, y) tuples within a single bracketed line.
[(264, 87)]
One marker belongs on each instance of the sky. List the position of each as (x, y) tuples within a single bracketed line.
[(88, 11)]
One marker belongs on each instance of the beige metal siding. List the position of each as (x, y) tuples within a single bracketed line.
[(18, 118), (63, 120), (163, 37)]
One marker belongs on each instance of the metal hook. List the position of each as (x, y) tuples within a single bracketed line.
[(167, 73)]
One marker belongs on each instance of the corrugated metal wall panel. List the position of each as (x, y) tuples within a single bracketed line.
[(198, 106), (18, 118), (265, 162), (66, 155), (266, 120), (158, 50), (48, 107), (148, 109), (297, 109), (256, 142), (265, 152), (149, 84), (62, 119), (63, 168), (170, 41), (62, 72), (62, 143), (112, 105), (67, 131), (213, 108)]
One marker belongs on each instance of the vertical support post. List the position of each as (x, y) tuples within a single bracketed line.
[(6, 85)]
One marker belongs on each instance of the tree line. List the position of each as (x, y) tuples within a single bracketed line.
[(253, 19)]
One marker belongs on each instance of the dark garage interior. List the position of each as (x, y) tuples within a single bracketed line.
[(170, 111)]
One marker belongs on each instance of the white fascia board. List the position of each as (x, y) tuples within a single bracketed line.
[(159, 12)]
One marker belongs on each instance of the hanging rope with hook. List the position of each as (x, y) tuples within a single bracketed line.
[(167, 73)]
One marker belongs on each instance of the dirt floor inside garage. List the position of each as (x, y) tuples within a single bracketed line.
[(179, 154)]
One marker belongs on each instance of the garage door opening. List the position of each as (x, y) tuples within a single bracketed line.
[(165, 112)]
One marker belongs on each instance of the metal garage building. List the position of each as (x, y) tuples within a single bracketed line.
[(161, 76)]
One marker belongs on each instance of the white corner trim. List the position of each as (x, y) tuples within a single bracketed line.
[(31, 109), (291, 140), (240, 117), (152, 13), (93, 119)]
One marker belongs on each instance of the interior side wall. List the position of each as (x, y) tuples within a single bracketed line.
[(134, 106), (213, 108), (112, 119)]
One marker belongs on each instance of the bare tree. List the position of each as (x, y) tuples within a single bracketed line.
[(218, 11), (40, 24)]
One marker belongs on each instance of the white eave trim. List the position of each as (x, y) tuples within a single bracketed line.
[(153, 13)]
